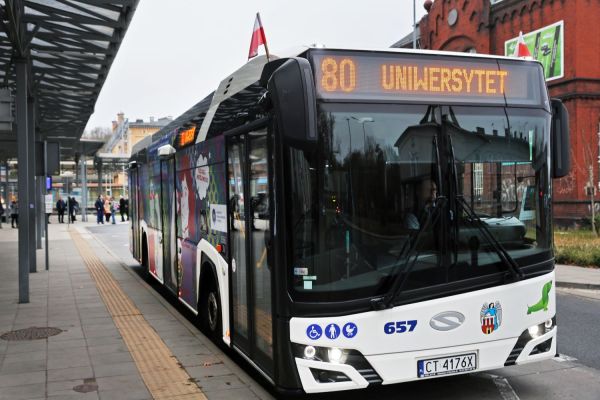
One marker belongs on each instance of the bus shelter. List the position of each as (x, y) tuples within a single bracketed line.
[(54, 58)]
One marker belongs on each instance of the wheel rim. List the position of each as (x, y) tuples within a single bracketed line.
[(213, 311)]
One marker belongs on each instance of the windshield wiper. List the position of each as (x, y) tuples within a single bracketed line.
[(513, 267), (510, 262), (401, 274)]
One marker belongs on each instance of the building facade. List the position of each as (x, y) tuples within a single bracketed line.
[(484, 26), (125, 134)]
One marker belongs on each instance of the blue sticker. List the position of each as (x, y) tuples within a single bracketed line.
[(314, 332), (332, 331), (350, 330)]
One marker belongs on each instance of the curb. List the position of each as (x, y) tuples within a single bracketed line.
[(577, 285)]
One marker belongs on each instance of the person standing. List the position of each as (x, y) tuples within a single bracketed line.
[(71, 206), (2, 212), (127, 208), (112, 210), (60, 208), (122, 208), (99, 205), (14, 214), (107, 209)]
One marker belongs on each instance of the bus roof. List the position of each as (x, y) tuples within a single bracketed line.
[(201, 113)]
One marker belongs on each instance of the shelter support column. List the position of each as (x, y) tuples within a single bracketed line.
[(31, 184), (100, 186), (84, 188), (25, 146)]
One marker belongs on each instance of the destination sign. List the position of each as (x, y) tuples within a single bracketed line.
[(187, 136), (426, 78)]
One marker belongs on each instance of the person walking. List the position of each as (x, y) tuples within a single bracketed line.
[(14, 214), (60, 208), (99, 205), (122, 208)]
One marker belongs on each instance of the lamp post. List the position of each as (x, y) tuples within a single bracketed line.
[(363, 121)]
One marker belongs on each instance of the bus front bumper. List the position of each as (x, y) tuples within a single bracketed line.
[(319, 376)]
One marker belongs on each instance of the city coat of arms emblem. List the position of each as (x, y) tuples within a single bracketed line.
[(490, 317)]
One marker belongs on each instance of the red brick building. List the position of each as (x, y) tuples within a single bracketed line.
[(483, 26)]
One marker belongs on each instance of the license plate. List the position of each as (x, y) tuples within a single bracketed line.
[(447, 365)]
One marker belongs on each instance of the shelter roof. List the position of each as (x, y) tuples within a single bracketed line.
[(69, 46)]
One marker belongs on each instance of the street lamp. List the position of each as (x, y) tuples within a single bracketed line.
[(363, 121)]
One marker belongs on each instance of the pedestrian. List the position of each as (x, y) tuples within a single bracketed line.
[(1, 213), (61, 206), (127, 208), (14, 214), (99, 205), (122, 208), (107, 209), (71, 206), (75, 210), (112, 210)]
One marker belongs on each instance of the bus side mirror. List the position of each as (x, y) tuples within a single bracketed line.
[(560, 140), (293, 93), (165, 152)]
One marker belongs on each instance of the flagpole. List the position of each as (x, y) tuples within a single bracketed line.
[(265, 39)]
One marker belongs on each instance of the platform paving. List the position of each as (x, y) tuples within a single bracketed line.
[(90, 353)]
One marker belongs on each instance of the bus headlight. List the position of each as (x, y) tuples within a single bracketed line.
[(309, 352), (336, 356), (534, 331)]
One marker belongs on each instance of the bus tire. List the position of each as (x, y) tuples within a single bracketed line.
[(210, 306), (145, 263)]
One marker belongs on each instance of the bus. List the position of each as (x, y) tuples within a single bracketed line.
[(346, 218)]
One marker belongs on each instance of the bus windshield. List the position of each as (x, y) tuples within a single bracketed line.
[(362, 199)]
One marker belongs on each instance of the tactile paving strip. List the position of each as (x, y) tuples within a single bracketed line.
[(163, 375)]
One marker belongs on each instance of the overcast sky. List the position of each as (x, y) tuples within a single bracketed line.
[(175, 52)]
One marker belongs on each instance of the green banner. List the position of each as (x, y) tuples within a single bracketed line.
[(546, 46)]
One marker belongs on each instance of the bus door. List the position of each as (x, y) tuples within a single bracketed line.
[(133, 213), (249, 234), (167, 171)]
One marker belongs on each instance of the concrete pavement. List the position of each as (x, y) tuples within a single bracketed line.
[(570, 276), (89, 357)]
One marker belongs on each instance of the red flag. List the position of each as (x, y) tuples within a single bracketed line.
[(258, 38), (522, 50)]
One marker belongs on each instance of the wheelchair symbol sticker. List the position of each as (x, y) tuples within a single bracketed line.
[(314, 332), (332, 331)]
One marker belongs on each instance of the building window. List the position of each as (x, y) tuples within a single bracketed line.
[(478, 179)]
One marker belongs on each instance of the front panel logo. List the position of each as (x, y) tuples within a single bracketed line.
[(543, 303), (314, 332), (447, 320), (490, 317), (332, 331)]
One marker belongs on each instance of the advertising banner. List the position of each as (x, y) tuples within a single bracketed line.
[(546, 46)]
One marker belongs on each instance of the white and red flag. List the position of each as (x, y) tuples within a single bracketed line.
[(258, 38), (522, 50)]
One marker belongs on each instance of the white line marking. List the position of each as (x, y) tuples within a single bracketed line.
[(506, 391)]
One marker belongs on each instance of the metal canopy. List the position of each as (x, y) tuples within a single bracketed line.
[(69, 47)]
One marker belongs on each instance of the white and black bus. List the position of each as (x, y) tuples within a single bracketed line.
[(346, 218)]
